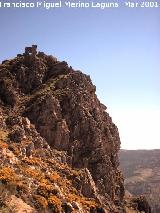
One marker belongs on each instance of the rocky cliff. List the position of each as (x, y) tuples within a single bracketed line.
[(58, 144)]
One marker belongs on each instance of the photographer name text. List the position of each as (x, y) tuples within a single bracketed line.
[(79, 4)]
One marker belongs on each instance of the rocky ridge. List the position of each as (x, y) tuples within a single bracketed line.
[(59, 146)]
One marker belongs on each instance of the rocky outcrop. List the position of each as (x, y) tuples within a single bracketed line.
[(35, 178), (52, 114), (71, 118)]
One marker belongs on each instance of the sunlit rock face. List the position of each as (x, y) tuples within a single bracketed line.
[(54, 122)]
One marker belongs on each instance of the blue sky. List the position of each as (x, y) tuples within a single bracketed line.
[(118, 47)]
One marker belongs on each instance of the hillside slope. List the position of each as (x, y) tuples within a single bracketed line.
[(59, 146), (141, 169)]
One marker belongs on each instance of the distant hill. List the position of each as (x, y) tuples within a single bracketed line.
[(141, 169)]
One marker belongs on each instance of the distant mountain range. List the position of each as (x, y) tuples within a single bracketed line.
[(141, 169)]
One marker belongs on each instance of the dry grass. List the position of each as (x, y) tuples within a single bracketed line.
[(33, 161), (7, 174), (3, 135), (41, 202), (3, 145), (53, 177), (55, 203), (46, 190)]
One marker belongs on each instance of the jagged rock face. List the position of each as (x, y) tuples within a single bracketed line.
[(62, 104), (27, 73), (71, 118), (35, 178)]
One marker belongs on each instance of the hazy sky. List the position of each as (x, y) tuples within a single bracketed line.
[(119, 48)]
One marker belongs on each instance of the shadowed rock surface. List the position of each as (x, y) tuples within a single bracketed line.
[(59, 146)]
